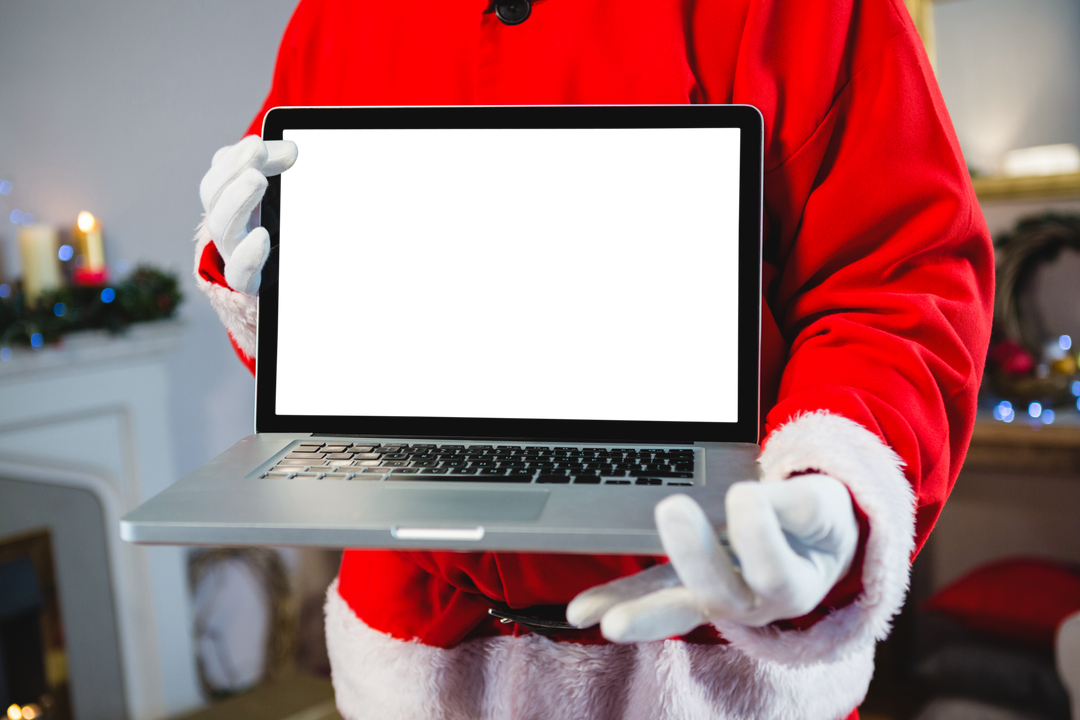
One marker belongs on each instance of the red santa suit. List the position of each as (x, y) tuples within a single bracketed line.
[(878, 281)]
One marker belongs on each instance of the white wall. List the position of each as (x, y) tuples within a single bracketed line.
[(116, 107), (1010, 74)]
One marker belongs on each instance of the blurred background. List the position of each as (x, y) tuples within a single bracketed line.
[(113, 110)]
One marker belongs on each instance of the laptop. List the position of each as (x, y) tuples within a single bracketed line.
[(494, 328)]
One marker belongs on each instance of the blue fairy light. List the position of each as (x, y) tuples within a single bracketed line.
[(66, 252), (59, 309), (108, 295), (5, 187), (5, 292), (27, 219), (36, 340), (1064, 342), (16, 216), (1003, 411), (5, 354), (1047, 416), (1035, 409)]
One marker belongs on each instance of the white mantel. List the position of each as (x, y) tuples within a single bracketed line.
[(92, 412)]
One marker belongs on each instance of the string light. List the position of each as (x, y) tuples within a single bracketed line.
[(27, 220), (16, 216), (36, 341), (5, 187), (59, 309), (1004, 411), (65, 253), (5, 292), (14, 712), (5, 354), (1035, 409), (108, 295)]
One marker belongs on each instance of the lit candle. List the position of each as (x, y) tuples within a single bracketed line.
[(40, 264), (86, 235)]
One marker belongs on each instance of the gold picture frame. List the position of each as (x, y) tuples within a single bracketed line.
[(922, 13)]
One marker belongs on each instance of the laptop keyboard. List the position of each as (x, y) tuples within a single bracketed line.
[(488, 463)]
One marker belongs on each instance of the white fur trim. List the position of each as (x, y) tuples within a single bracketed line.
[(510, 678), (237, 311), (873, 473)]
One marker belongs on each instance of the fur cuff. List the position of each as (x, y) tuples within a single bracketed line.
[(526, 677), (237, 311), (873, 472)]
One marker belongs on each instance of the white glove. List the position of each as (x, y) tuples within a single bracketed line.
[(230, 190), (794, 539)]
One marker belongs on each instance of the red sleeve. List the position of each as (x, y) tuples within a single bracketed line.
[(885, 283)]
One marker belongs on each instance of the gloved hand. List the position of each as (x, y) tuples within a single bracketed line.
[(794, 539), (230, 190)]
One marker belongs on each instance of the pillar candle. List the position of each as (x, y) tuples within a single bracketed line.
[(89, 246), (40, 264)]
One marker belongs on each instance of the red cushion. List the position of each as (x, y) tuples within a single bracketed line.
[(1022, 599)]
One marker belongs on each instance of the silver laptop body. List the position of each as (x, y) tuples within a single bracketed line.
[(494, 328)]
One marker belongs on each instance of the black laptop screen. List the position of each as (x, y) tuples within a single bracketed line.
[(510, 274)]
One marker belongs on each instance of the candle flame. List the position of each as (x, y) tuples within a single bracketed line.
[(86, 221)]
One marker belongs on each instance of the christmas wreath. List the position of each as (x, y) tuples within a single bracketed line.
[(1024, 365)]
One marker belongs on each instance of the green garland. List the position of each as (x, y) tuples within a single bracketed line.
[(146, 294)]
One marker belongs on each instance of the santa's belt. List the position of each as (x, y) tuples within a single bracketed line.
[(540, 619)]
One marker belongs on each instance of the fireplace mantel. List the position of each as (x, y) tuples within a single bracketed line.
[(94, 347), (92, 413)]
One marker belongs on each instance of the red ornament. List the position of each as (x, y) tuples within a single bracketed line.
[(1012, 358)]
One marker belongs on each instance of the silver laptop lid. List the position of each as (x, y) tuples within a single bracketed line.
[(530, 272)]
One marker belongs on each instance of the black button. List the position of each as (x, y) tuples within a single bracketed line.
[(513, 12)]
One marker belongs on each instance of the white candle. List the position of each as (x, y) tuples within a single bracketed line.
[(88, 244), (40, 264)]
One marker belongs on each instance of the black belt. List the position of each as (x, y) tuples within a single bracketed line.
[(540, 619)]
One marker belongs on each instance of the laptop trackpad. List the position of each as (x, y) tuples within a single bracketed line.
[(405, 504)]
